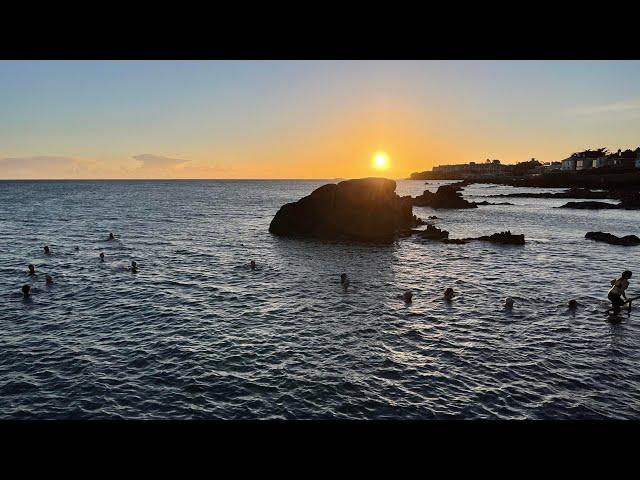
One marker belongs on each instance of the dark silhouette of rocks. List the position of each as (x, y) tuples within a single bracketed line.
[(433, 217), (447, 196), (457, 241), (590, 205), (366, 209), (506, 238), (627, 241), (628, 201), (573, 192), (417, 221), (432, 233), (484, 202)]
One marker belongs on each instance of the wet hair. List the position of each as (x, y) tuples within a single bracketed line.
[(626, 274), (253, 264), (407, 296), (32, 267), (343, 277), (46, 249), (102, 255), (134, 263), (573, 304), (26, 289), (49, 279), (509, 302), (448, 291)]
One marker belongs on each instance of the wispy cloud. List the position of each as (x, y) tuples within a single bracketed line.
[(631, 106), (46, 167), (175, 167)]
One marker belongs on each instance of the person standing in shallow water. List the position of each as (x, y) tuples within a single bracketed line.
[(617, 290)]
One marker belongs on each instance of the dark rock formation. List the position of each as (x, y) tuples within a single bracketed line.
[(457, 241), (484, 202), (417, 221), (590, 205), (628, 201), (433, 217), (365, 209), (627, 241), (573, 192), (432, 233), (506, 238), (447, 196)]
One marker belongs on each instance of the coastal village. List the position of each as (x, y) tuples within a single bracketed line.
[(599, 161)]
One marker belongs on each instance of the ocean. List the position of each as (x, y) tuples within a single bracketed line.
[(196, 334)]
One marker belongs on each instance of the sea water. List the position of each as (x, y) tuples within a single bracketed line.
[(197, 334)]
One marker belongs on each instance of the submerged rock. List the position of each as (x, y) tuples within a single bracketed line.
[(627, 241), (432, 233), (506, 238), (590, 205), (457, 241), (447, 196), (484, 202), (366, 209)]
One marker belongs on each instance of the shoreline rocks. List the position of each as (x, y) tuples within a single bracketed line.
[(590, 205), (627, 241), (366, 209), (447, 196), (503, 238)]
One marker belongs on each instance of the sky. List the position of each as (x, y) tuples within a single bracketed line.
[(305, 119)]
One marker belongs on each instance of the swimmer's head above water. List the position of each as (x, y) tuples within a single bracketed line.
[(448, 294), (26, 291), (407, 296), (508, 303), (49, 279), (32, 269), (111, 237), (252, 265), (102, 256), (134, 266), (46, 249), (573, 304)]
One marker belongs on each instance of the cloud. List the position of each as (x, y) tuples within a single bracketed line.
[(157, 162), (632, 106), (175, 167), (46, 167)]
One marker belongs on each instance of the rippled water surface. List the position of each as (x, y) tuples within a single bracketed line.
[(197, 334)]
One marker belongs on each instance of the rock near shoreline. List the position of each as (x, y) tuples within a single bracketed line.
[(366, 209), (627, 241)]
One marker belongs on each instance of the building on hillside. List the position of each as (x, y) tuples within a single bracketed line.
[(584, 163), (569, 164)]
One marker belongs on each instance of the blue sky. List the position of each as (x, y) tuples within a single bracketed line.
[(304, 119)]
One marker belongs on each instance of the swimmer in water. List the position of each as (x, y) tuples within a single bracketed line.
[(134, 267), (77, 249), (407, 296), (617, 291), (26, 291), (46, 250), (573, 304), (32, 269), (448, 294), (102, 256), (344, 281), (252, 265), (508, 303), (49, 279), (111, 237)]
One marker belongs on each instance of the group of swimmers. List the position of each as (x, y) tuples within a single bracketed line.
[(616, 293), (26, 289)]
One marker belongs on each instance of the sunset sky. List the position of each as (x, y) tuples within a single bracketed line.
[(304, 119)]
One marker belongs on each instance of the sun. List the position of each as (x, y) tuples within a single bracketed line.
[(381, 161)]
